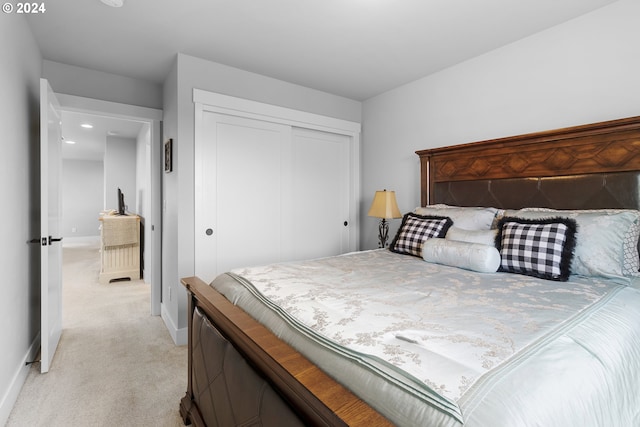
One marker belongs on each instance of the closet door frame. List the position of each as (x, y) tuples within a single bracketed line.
[(210, 102)]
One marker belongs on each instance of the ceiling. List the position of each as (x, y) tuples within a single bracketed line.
[(89, 144), (352, 48)]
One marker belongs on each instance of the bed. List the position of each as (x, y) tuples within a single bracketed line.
[(543, 343)]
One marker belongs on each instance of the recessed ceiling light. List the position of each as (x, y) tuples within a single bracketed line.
[(113, 3), (68, 141), (86, 126)]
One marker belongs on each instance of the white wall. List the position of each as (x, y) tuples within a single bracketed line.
[(585, 70), (170, 209), (20, 64), (178, 237), (78, 81), (82, 197), (120, 172)]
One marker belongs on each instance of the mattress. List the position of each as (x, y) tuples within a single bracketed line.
[(420, 341)]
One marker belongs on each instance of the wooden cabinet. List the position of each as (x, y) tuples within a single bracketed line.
[(119, 248)]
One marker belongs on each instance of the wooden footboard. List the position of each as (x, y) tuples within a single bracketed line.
[(312, 396)]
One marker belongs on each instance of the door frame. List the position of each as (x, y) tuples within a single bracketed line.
[(153, 117)]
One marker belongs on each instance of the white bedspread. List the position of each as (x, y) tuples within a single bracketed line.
[(454, 347)]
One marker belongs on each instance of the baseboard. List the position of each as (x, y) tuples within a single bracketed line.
[(179, 336), (18, 380)]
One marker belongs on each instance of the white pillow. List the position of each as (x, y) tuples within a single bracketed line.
[(470, 256), (483, 237), (468, 218)]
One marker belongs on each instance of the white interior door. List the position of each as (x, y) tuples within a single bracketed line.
[(321, 189), (50, 209)]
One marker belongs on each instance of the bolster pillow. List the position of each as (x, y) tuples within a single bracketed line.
[(470, 256)]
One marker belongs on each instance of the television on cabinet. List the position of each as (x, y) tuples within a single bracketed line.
[(120, 202)]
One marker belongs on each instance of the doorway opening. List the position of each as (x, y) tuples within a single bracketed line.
[(108, 146)]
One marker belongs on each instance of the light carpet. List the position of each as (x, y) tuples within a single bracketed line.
[(116, 365)]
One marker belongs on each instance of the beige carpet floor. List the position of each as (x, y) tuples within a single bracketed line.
[(116, 365)]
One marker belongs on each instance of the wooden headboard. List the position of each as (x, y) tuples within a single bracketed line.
[(583, 167)]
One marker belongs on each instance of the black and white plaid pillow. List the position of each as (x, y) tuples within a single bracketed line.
[(415, 229), (540, 248)]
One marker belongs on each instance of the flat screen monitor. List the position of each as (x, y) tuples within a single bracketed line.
[(120, 202)]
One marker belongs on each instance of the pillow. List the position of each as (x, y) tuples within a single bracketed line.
[(415, 229), (468, 218), (483, 237), (602, 241), (499, 214), (470, 256), (540, 248), (630, 254)]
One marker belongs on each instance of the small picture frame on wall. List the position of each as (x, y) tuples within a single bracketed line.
[(168, 155)]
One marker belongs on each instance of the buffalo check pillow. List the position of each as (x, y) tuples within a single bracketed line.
[(541, 248), (415, 229)]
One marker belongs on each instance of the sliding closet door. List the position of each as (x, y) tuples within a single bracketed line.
[(271, 184), (242, 193), (321, 188)]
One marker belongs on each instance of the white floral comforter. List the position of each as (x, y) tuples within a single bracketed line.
[(443, 344)]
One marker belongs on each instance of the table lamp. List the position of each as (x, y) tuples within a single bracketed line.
[(384, 206)]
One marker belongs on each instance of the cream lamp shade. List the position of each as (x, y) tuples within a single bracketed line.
[(384, 206)]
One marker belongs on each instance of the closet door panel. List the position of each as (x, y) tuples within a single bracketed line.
[(244, 196), (321, 188)]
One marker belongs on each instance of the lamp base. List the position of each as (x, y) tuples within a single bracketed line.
[(383, 233)]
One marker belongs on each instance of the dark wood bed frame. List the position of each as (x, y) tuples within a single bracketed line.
[(590, 166)]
